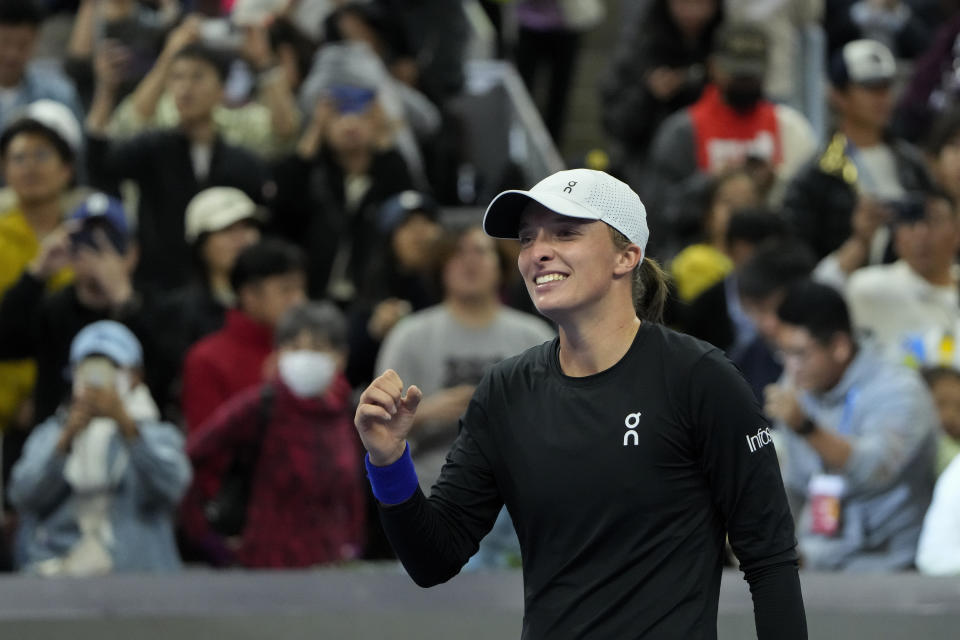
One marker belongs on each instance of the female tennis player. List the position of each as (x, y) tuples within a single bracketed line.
[(624, 452)]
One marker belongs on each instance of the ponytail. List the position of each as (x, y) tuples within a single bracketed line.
[(650, 290), (650, 284)]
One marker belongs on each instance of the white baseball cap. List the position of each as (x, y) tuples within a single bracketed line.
[(863, 62), (217, 208), (55, 117), (577, 193)]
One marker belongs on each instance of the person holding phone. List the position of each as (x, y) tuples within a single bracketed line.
[(624, 452), (98, 482)]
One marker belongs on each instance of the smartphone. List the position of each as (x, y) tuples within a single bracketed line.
[(95, 372)]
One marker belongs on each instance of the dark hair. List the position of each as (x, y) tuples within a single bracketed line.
[(819, 309), (284, 32), (775, 266), (26, 125), (946, 128), (933, 375), (322, 319), (755, 225), (267, 258), (219, 60), (379, 18), (20, 13), (446, 250), (650, 284)]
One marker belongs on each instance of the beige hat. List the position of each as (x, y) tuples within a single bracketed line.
[(217, 208)]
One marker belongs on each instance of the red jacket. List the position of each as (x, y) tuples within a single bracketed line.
[(222, 364), (307, 502)]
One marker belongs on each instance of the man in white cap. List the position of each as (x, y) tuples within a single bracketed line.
[(836, 202), (98, 483), (624, 452)]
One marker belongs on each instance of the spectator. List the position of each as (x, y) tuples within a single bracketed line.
[(862, 164), (731, 125), (548, 44), (127, 23), (938, 552), (99, 481), (268, 280), (306, 504), (95, 243), (701, 265), (659, 67), (266, 125), (170, 166), (401, 278), (890, 22), (354, 63), (859, 439), (738, 315), (918, 293), (785, 22), (20, 85), (38, 152), (447, 348), (329, 192), (220, 223), (944, 384)]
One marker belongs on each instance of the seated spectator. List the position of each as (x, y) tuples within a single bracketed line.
[(731, 125), (890, 22), (918, 293), (329, 192), (401, 278), (656, 73), (35, 323), (38, 152), (306, 498), (21, 84), (701, 265), (268, 280), (944, 383), (129, 24), (859, 439), (99, 482), (448, 347), (938, 552), (266, 124), (862, 164), (738, 315), (170, 166)]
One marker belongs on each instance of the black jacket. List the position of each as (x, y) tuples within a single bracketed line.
[(41, 326), (819, 201), (312, 211), (159, 163)]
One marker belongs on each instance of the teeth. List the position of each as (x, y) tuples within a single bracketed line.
[(551, 278)]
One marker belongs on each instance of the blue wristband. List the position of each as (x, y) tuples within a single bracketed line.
[(394, 483)]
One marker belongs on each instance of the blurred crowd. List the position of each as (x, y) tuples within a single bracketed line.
[(219, 219)]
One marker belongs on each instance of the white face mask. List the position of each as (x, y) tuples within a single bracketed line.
[(307, 373)]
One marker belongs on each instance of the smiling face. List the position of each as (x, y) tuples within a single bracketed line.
[(570, 265)]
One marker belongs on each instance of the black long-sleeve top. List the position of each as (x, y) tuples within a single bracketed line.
[(622, 487)]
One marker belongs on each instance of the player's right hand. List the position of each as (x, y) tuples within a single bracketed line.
[(385, 417)]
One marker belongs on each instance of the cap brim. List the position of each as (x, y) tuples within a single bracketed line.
[(502, 217)]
